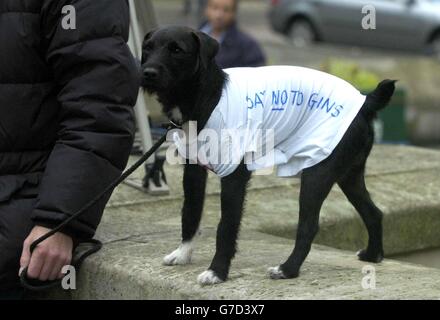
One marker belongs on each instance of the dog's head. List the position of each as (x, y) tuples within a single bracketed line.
[(172, 56)]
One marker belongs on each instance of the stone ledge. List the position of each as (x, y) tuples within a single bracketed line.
[(132, 269), (138, 230)]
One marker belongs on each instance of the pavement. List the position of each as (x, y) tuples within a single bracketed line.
[(139, 230)]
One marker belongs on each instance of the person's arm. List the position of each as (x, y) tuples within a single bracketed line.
[(98, 81)]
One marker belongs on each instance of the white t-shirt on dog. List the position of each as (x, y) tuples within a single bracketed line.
[(289, 117)]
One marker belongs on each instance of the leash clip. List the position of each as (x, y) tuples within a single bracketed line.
[(175, 125)]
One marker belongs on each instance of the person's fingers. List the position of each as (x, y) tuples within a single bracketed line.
[(50, 263), (25, 257), (36, 263), (56, 270), (48, 258)]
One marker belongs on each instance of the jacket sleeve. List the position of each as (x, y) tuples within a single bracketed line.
[(98, 82)]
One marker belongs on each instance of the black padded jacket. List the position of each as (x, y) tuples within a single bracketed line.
[(66, 97)]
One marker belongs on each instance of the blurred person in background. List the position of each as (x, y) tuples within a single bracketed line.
[(237, 49), (188, 5)]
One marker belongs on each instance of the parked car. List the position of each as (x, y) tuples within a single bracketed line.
[(400, 24)]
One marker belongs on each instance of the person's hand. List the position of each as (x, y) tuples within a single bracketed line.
[(49, 257)]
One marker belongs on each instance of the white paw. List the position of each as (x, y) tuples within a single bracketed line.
[(181, 255), (208, 277), (276, 273)]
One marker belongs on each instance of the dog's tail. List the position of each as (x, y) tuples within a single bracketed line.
[(379, 98)]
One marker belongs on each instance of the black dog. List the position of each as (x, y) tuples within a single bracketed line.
[(178, 65)]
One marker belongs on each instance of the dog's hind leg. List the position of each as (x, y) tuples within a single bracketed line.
[(316, 183), (194, 185), (233, 191), (353, 186)]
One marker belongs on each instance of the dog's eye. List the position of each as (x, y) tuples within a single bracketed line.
[(175, 49)]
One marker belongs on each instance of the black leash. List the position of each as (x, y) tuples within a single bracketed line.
[(96, 245)]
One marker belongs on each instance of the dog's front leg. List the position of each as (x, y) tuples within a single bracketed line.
[(194, 185), (233, 191)]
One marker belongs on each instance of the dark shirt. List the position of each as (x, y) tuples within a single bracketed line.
[(237, 49)]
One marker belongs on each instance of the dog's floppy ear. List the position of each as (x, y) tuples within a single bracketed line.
[(149, 34), (208, 47), (146, 38)]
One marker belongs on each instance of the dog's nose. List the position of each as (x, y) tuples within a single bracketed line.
[(151, 73)]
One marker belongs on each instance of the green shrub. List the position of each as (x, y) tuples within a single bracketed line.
[(363, 80)]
